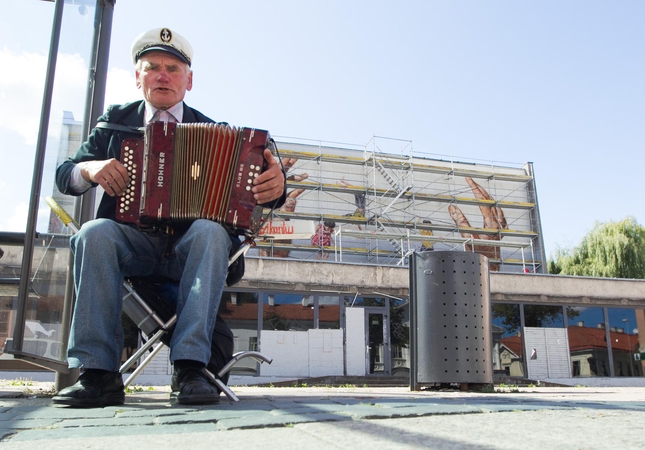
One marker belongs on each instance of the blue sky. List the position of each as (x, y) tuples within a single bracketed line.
[(556, 83)]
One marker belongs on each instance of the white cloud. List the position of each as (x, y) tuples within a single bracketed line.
[(17, 221), (121, 87), (23, 89)]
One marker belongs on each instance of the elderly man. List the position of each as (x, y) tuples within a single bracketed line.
[(105, 250)]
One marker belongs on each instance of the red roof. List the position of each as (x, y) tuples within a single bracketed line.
[(584, 338), (249, 311), (514, 344)]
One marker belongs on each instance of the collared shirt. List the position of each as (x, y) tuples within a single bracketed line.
[(79, 184), (177, 111)]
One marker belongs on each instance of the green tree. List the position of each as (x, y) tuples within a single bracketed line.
[(612, 250)]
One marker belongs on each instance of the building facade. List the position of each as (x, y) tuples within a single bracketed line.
[(326, 290)]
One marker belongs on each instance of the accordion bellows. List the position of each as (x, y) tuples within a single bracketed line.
[(183, 172)]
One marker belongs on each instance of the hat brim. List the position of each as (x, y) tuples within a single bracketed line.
[(163, 48)]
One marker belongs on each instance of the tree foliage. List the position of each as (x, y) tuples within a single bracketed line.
[(613, 250)]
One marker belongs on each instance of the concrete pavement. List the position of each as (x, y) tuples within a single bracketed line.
[(333, 418)]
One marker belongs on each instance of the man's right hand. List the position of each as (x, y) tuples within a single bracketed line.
[(110, 174)]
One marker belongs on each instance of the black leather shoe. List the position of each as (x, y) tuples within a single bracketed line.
[(192, 386), (94, 389)]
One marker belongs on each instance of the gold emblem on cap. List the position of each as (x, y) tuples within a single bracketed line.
[(165, 35)]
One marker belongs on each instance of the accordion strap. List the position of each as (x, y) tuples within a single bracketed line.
[(117, 127)]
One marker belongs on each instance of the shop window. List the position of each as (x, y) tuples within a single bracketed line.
[(625, 347), (240, 311), (508, 353), (543, 316), (587, 341), (328, 311), (288, 312)]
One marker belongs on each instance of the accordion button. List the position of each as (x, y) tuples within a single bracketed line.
[(248, 188)]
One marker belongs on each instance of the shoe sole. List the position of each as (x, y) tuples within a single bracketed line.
[(115, 399)]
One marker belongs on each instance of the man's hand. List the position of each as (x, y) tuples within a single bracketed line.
[(110, 174), (269, 185)]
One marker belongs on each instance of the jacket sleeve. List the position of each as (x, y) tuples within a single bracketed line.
[(93, 149), (102, 143)]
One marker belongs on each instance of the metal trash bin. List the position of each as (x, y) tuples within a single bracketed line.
[(450, 324)]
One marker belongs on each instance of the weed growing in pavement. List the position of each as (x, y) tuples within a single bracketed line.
[(510, 389), (133, 389), (21, 382)]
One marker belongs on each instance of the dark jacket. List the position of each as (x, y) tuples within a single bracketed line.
[(105, 144)]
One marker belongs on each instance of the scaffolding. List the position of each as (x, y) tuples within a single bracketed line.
[(373, 205)]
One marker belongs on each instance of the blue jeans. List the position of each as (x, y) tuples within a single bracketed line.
[(105, 252)]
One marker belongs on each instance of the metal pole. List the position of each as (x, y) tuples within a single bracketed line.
[(84, 205), (95, 96), (39, 161)]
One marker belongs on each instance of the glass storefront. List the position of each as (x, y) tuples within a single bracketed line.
[(508, 349), (625, 346), (588, 342)]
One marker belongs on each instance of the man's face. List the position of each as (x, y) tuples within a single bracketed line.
[(163, 78)]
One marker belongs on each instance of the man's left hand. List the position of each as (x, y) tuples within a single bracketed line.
[(269, 185)]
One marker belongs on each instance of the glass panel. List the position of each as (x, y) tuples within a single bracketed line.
[(28, 47), (508, 350), (543, 316), (375, 339), (400, 337), (587, 342), (240, 311), (625, 347), (294, 312), (328, 312), (352, 301)]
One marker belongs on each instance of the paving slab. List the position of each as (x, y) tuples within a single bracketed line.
[(330, 418)]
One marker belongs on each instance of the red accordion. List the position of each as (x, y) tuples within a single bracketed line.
[(184, 172)]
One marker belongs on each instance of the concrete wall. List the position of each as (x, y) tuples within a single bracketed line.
[(504, 287), (312, 353)]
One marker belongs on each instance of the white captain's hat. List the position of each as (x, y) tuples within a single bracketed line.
[(164, 40)]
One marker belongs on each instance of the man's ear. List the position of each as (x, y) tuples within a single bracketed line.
[(189, 86), (136, 78)]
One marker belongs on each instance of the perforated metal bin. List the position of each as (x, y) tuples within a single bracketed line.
[(450, 325)]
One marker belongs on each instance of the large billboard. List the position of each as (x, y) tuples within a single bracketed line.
[(371, 207)]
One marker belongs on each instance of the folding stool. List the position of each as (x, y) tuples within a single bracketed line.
[(157, 322)]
